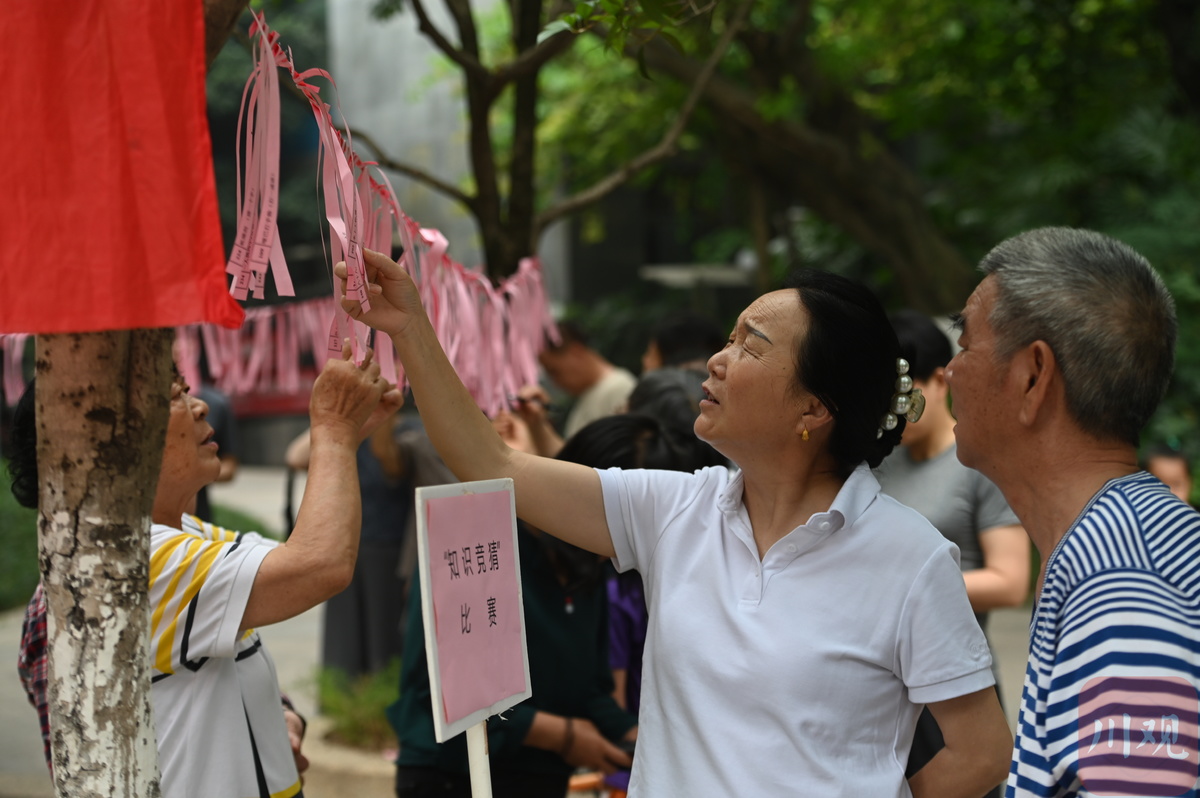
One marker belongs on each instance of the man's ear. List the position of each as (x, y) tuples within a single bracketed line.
[(935, 388), (1034, 369)]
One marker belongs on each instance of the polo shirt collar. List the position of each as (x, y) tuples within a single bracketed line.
[(858, 492), (730, 498), (852, 500)]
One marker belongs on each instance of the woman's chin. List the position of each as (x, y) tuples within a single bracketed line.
[(705, 432)]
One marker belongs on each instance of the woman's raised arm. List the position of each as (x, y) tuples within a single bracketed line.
[(561, 498)]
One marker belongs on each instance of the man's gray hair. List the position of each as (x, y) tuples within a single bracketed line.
[(1104, 312)]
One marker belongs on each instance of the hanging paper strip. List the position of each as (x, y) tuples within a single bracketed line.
[(491, 334), (265, 355), (256, 244), (256, 247), (12, 351)]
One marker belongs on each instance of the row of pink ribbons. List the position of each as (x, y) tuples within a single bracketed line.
[(491, 333)]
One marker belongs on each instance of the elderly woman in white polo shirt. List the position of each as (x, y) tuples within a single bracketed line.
[(799, 619)]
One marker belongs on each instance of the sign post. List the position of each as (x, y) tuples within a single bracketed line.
[(475, 621)]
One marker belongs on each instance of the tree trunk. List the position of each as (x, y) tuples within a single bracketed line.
[(522, 190), (101, 415)]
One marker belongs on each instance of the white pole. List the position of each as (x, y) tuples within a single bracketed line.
[(477, 756)]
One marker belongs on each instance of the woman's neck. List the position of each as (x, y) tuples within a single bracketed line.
[(780, 500)]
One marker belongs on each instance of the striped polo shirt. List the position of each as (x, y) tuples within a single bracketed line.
[(1111, 688)]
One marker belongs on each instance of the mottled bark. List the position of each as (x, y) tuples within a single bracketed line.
[(101, 409)]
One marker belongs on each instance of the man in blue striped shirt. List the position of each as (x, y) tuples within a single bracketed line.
[(1068, 346)]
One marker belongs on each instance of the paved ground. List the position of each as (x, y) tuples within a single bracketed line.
[(294, 645)]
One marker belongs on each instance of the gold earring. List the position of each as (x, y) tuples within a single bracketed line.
[(804, 434)]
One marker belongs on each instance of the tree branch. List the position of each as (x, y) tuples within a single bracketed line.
[(421, 176), (469, 63), (381, 156), (481, 94), (522, 165), (670, 140), (867, 192), (532, 60), (464, 20), (219, 18)]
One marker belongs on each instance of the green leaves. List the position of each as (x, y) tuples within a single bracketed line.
[(557, 26), (629, 23)]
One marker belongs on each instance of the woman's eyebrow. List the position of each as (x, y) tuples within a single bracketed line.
[(757, 332)]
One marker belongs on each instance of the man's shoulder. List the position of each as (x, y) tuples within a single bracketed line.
[(1136, 522), (1133, 531), (618, 380)]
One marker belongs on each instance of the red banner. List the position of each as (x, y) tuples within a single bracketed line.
[(108, 211)]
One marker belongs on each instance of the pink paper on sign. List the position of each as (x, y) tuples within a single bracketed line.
[(476, 601)]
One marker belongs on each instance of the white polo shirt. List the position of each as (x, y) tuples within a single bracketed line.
[(803, 673)]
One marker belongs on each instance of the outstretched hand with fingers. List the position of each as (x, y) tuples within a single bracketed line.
[(347, 397), (392, 294), (391, 401)]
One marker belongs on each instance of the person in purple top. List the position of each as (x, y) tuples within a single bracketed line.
[(671, 396), (627, 623)]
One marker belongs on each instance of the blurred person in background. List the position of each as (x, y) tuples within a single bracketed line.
[(362, 628), (1172, 467), (598, 388), (572, 720), (964, 505), (683, 340), (672, 396)]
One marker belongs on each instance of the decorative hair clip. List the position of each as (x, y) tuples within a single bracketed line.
[(907, 401)]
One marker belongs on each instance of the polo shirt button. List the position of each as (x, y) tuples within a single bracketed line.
[(823, 526), (791, 547)]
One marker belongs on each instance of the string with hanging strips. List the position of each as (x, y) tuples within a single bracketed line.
[(490, 333)]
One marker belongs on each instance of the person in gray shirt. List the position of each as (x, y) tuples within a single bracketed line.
[(965, 506)]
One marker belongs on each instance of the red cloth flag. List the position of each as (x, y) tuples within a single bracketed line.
[(108, 210)]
